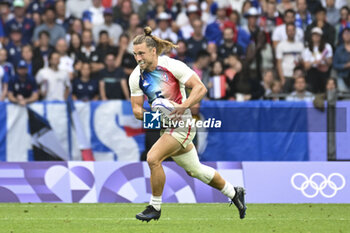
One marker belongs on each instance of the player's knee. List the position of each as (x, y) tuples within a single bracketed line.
[(153, 160), (203, 173)]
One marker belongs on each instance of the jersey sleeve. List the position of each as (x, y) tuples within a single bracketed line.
[(180, 70), (134, 83)]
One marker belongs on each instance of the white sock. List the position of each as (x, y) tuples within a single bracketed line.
[(228, 190), (156, 201)]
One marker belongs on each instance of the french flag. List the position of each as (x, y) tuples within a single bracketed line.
[(84, 143), (218, 91)]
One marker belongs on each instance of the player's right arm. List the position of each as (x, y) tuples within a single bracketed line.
[(137, 96), (137, 106)]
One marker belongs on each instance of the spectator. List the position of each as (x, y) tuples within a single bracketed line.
[(44, 48), (193, 14), (217, 84), (242, 87), (343, 23), (56, 31), (270, 19), (63, 19), (104, 45), (85, 88), (66, 62), (213, 31), (303, 17), (34, 64), (317, 61), (114, 30), (201, 65), (288, 55), (14, 47), (75, 27), (279, 34), (122, 18), (22, 89), (333, 15), (74, 46), (122, 49), (182, 53), (88, 53), (197, 41), (276, 91), (251, 30), (5, 11), (54, 83), (134, 27), (3, 84), (7, 66), (320, 21), (341, 62), (268, 79), (94, 15), (228, 45), (300, 93), (20, 22), (113, 84), (212, 50), (163, 30)]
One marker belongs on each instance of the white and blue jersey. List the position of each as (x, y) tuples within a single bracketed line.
[(166, 81)]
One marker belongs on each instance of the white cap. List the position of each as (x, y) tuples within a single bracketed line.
[(252, 12), (192, 8), (164, 16), (317, 30)]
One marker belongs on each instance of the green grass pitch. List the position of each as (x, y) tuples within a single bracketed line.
[(95, 218)]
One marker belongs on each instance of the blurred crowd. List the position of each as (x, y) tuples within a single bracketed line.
[(241, 50)]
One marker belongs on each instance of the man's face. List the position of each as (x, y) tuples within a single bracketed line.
[(44, 39), (181, 48), (87, 38), (330, 3), (22, 72), (289, 18), (300, 84), (197, 27), (346, 36), (228, 35), (104, 39), (163, 24), (50, 16), (60, 8), (110, 61), (19, 11), (301, 5), (321, 16), (61, 46), (144, 56), (3, 55), (290, 32), (108, 18), (55, 59)]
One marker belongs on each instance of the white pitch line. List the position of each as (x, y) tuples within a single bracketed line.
[(164, 219)]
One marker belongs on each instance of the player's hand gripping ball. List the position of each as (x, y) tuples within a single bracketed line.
[(165, 107)]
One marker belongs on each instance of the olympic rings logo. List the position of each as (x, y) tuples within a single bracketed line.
[(318, 188)]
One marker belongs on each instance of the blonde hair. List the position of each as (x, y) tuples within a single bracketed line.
[(153, 41)]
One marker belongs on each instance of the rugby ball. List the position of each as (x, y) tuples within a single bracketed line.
[(165, 107)]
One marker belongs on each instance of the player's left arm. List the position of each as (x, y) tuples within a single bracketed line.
[(197, 93)]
